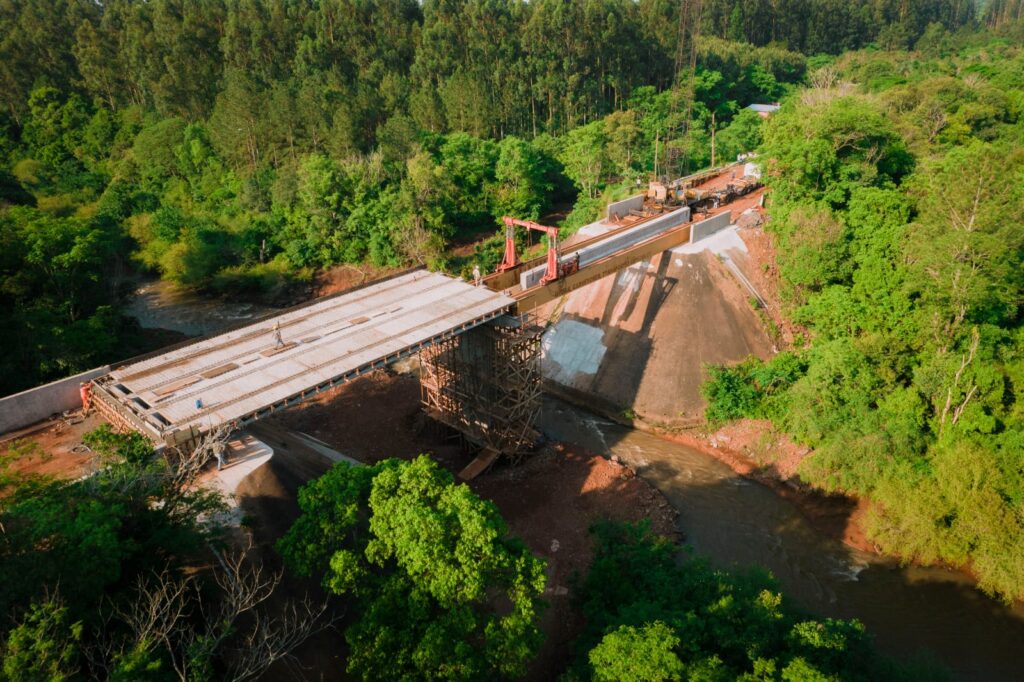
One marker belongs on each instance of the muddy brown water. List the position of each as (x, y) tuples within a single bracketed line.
[(911, 611)]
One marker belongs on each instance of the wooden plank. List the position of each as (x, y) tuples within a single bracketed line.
[(479, 465), (217, 371), (177, 385)]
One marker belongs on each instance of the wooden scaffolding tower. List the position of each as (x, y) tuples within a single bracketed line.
[(485, 384)]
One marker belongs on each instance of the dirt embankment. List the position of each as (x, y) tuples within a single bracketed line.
[(341, 278), (636, 342), (760, 266), (550, 502), (51, 448)]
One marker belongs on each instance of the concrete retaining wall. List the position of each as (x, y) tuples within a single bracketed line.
[(706, 228), (609, 246), (36, 404), (622, 208)]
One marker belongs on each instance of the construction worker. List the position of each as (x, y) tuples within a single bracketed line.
[(85, 392), (220, 452), (277, 335), (476, 275)]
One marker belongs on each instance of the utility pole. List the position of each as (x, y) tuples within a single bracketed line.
[(712, 139), (657, 137)]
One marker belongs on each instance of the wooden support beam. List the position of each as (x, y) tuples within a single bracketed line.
[(539, 295)]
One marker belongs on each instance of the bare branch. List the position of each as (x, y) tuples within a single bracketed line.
[(243, 585), (189, 464), (963, 405), (272, 640), (965, 360), (235, 627), (160, 604)]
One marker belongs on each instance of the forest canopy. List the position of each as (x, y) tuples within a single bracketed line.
[(896, 206), (238, 147)]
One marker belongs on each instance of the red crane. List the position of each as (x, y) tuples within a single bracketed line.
[(511, 260)]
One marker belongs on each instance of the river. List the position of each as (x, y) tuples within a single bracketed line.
[(733, 521), (736, 522)]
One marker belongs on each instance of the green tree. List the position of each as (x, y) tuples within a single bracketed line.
[(645, 654), (94, 536), (95, 51), (735, 31), (425, 560), (653, 616), (742, 135), (624, 141), (905, 271), (36, 40), (822, 153), (43, 647), (584, 157), (521, 187), (130, 447), (964, 249)]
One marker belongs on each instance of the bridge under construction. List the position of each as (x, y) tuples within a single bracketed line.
[(241, 375), (479, 343)]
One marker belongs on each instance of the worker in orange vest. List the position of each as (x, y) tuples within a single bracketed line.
[(85, 391)]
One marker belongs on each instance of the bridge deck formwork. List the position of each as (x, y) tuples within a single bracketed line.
[(244, 374)]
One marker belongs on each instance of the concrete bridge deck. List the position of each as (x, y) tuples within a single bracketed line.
[(240, 375)]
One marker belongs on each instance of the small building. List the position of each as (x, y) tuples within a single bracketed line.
[(765, 110)]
